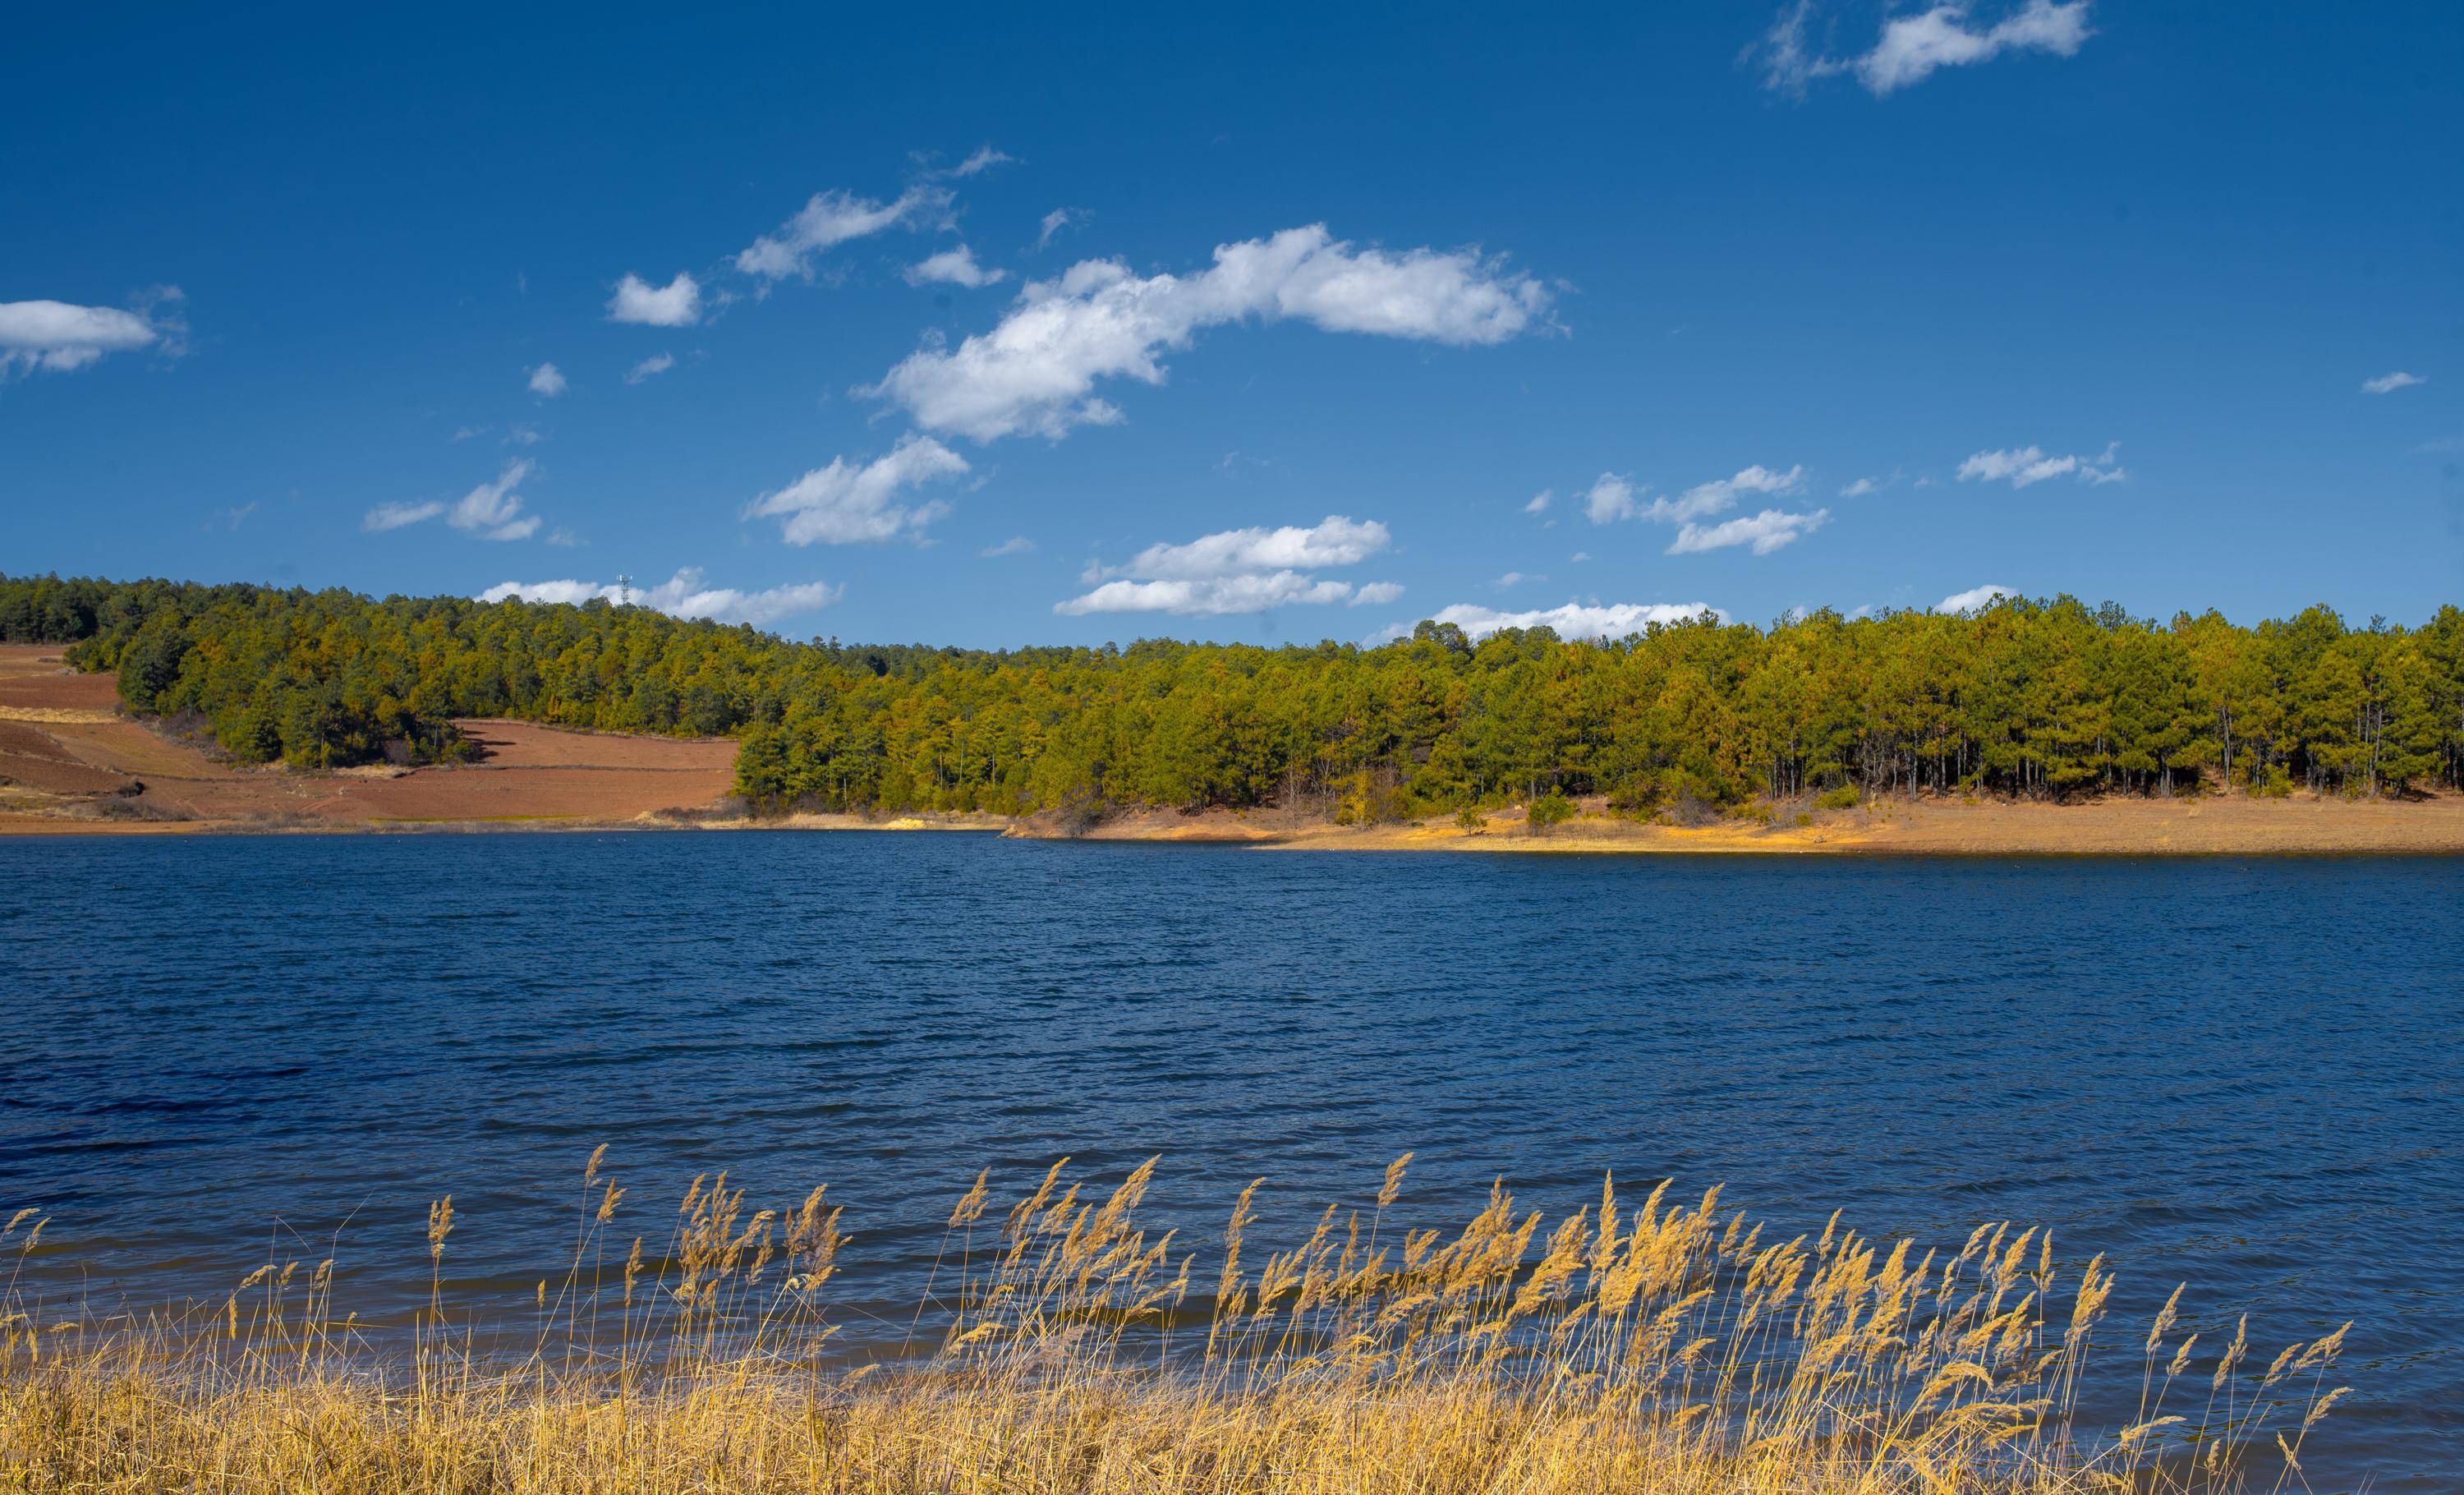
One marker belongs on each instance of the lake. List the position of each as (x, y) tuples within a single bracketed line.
[(2242, 1074)]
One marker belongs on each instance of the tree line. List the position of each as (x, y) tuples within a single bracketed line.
[(2048, 699)]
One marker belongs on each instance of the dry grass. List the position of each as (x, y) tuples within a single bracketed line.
[(1634, 1345)]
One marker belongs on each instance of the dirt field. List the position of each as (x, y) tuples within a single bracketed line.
[(72, 764)]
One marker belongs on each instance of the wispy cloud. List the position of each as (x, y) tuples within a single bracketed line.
[(1764, 532), (1540, 502), (832, 218), (547, 381), (1055, 221), (2390, 384), (954, 267), (848, 503), (491, 510), (650, 367), (1612, 497), (2024, 466), (1014, 546), (1036, 371), (397, 515), (683, 595), (1912, 48), (675, 304), (1241, 571), (57, 337), (983, 158)]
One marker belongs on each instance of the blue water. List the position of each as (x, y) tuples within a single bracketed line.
[(2245, 1074)]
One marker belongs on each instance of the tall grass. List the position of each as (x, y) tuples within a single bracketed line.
[(1648, 1345)]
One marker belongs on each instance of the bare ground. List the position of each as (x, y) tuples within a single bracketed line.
[(64, 749)]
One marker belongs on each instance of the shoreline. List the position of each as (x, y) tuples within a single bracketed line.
[(70, 765), (2211, 827)]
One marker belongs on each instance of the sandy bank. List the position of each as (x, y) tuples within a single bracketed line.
[(2214, 827)]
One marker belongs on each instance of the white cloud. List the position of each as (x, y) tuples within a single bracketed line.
[(1214, 597), (675, 304), (2023, 466), (1055, 221), (394, 515), (1036, 371), (1871, 485), (650, 367), (955, 267), (859, 503), (1540, 502), (984, 159), (1573, 620), (547, 381), (2385, 384), (1788, 63), (1766, 532), (1333, 542), (1513, 579), (1912, 48), (521, 435), (1720, 494), (832, 218), (682, 595), (1014, 546), (57, 337), (1973, 599), (1240, 571), (1611, 498), (492, 510)]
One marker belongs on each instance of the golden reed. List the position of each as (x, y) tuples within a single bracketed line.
[(1634, 1346)]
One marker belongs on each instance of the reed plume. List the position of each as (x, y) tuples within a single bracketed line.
[(1653, 1344)]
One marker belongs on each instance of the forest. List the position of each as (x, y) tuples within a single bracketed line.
[(2049, 699)]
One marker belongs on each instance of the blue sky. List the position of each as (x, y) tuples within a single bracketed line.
[(1297, 314)]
